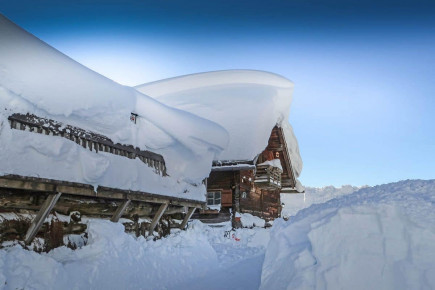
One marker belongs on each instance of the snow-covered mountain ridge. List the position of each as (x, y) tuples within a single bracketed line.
[(292, 203)]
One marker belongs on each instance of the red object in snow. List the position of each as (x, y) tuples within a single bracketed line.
[(235, 238)]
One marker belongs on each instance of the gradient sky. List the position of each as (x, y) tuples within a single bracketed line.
[(364, 71)]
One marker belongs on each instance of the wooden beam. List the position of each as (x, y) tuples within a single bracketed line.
[(80, 189), (157, 217), (119, 211), (287, 159), (37, 222), (187, 217), (26, 185)]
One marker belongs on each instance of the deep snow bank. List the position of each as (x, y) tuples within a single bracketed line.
[(247, 103), (198, 258), (380, 237), (111, 260), (36, 78)]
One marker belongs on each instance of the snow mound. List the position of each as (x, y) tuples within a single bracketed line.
[(247, 103), (199, 258), (380, 237), (249, 221), (293, 203), (36, 78), (111, 260)]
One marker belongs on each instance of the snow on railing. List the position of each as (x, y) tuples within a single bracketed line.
[(93, 141), (268, 176)]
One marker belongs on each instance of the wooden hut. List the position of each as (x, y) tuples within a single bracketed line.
[(251, 186), (259, 162)]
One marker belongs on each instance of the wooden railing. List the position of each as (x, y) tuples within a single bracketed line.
[(268, 176), (93, 141)]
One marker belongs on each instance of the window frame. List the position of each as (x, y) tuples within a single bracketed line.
[(214, 197)]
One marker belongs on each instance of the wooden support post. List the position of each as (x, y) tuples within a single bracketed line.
[(119, 211), (37, 222), (187, 217), (157, 217)]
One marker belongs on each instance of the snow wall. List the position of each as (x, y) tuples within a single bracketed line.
[(379, 237), (36, 78)]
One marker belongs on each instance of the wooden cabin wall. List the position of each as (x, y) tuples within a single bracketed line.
[(262, 203), (223, 181), (258, 202)]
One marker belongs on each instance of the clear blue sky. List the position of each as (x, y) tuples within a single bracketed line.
[(364, 71)]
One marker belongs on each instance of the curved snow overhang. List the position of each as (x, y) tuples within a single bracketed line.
[(37, 79), (247, 103)]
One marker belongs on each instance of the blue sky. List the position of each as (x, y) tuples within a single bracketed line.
[(364, 71)]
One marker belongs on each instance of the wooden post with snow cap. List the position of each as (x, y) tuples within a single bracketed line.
[(157, 217), (37, 222), (119, 211), (187, 217)]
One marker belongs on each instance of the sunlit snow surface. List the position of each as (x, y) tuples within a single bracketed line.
[(247, 103), (36, 78), (380, 237), (376, 238), (199, 258)]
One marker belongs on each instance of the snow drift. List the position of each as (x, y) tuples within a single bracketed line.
[(247, 103), (199, 258), (36, 78), (380, 237)]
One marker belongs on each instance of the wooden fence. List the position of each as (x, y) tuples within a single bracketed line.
[(93, 141)]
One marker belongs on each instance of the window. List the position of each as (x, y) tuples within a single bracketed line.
[(214, 198)]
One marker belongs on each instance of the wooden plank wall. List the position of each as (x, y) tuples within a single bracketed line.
[(258, 202), (264, 203)]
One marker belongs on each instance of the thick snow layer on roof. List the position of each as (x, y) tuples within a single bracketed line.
[(247, 103), (36, 78), (379, 237)]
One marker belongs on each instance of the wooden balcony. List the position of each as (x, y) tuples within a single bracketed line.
[(268, 177)]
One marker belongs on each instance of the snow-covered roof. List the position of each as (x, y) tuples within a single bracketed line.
[(36, 78), (247, 103)]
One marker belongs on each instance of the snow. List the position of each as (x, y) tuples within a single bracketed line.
[(293, 203), (379, 237), (375, 238), (273, 163), (249, 221), (35, 78), (200, 258), (247, 103)]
